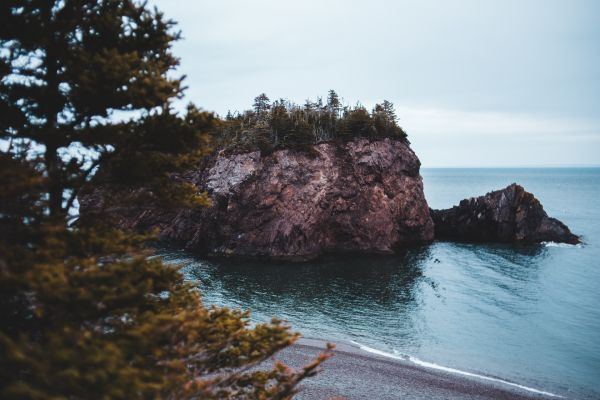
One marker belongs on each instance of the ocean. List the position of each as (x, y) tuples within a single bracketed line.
[(526, 315)]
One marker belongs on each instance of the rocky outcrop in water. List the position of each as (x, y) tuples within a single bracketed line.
[(360, 196), (508, 215)]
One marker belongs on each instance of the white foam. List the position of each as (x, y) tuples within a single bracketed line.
[(426, 364), (563, 245)]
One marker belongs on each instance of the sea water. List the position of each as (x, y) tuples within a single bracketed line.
[(527, 315)]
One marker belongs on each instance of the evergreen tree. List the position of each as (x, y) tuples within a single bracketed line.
[(69, 66), (288, 125), (380, 120), (333, 108), (356, 123), (85, 313), (280, 121), (333, 102), (261, 104), (388, 108), (299, 136), (392, 128)]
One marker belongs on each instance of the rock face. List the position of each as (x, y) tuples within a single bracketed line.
[(361, 196), (508, 215)]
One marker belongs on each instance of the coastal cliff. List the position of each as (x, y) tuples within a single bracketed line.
[(363, 196), (359, 196)]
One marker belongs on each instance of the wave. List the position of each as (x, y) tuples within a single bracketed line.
[(563, 245), (430, 365)]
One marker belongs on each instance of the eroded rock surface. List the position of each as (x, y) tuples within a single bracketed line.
[(361, 196), (508, 215)]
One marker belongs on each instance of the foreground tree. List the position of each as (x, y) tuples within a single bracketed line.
[(85, 313)]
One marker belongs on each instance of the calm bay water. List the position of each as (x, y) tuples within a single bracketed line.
[(528, 314)]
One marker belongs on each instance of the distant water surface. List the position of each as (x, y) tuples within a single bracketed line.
[(527, 314)]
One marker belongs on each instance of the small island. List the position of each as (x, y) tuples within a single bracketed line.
[(295, 183)]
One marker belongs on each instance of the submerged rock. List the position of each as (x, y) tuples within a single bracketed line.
[(360, 196), (508, 215)]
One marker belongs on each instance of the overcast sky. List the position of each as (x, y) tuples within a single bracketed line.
[(475, 83)]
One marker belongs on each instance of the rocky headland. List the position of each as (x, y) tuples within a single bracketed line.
[(360, 196)]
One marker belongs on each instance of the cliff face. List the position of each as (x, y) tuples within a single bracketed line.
[(363, 196), (508, 215)]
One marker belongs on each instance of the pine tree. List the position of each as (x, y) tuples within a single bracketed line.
[(287, 125), (69, 66), (86, 314), (356, 123), (334, 108), (280, 121), (261, 104), (392, 128), (388, 108), (333, 102)]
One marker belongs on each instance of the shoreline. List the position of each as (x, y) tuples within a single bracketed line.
[(358, 372)]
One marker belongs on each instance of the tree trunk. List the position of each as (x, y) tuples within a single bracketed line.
[(55, 190), (51, 158)]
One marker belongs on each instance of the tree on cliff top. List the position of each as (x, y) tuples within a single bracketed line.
[(261, 103), (85, 313), (287, 125)]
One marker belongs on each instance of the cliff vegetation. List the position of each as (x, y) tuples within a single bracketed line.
[(282, 124)]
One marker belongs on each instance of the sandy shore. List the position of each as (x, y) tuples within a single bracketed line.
[(353, 373)]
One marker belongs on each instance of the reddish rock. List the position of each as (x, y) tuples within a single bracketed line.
[(361, 196)]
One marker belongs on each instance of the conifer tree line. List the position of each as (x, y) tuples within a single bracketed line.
[(85, 313), (283, 124)]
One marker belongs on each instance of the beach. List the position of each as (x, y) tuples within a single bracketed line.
[(352, 373)]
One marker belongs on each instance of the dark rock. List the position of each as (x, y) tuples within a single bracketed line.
[(361, 196), (508, 215)]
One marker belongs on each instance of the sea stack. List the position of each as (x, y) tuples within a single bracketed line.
[(508, 215)]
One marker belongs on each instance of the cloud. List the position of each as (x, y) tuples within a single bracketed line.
[(454, 138), (441, 122)]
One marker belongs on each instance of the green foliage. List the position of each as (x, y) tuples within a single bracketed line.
[(86, 313), (153, 150), (261, 104), (68, 66), (356, 122), (298, 136), (283, 124)]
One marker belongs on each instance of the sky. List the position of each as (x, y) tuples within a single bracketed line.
[(475, 83)]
